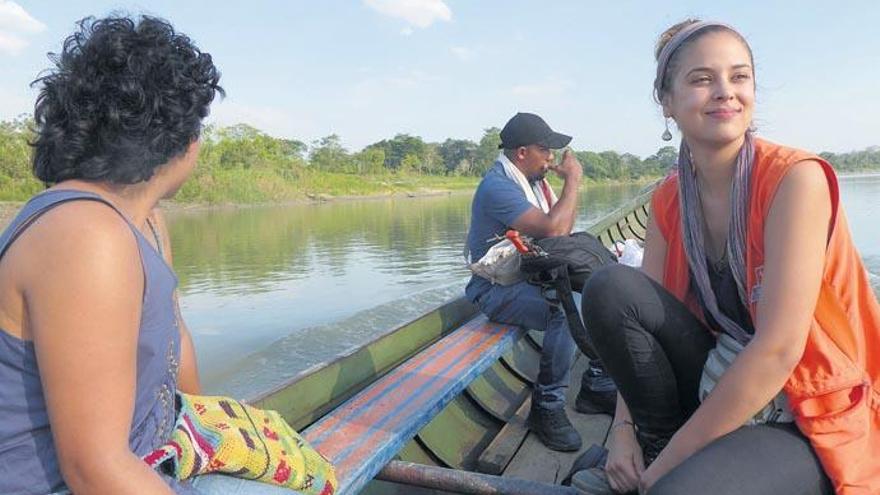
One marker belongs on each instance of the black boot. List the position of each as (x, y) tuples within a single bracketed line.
[(554, 429), (598, 394), (652, 444)]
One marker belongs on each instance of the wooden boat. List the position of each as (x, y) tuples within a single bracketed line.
[(430, 405)]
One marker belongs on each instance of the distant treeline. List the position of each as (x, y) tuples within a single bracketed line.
[(243, 164), (243, 146), (865, 160)]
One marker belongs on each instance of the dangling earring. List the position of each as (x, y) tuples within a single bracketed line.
[(666, 136)]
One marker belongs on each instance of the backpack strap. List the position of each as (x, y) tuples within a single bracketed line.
[(562, 284)]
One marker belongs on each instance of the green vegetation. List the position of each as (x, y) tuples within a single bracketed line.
[(16, 181), (241, 164), (866, 160)]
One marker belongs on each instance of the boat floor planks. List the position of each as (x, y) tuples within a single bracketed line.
[(536, 462), (482, 423)]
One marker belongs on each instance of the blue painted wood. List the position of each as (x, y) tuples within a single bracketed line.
[(404, 376), (387, 414)]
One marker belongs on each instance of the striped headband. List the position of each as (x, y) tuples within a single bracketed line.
[(675, 42)]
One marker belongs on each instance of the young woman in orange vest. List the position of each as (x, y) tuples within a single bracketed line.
[(746, 350)]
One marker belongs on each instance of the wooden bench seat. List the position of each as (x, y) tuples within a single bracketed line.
[(365, 432)]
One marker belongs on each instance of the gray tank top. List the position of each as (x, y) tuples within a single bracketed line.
[(28, 462)]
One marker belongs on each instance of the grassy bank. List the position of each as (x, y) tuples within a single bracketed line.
[(254, 187), (251, 187), (243, 165), (239, 186), (18, 189)]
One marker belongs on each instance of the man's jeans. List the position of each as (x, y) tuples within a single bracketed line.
[(522, 304)]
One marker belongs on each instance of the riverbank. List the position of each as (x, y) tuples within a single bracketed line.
[(225, 192)]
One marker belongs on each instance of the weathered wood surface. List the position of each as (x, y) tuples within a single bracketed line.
[(368, 430), (499, 453), (536, 462)]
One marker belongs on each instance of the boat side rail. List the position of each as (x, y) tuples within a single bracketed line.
[(365, 422), (363, 434), (307, 396), (316, 391)]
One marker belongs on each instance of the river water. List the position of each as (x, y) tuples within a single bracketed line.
[(269, 291), (322, 278), (286, 287)]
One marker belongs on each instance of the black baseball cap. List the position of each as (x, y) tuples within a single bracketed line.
[(524, 129)]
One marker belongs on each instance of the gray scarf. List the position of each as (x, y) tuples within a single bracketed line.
[(692, 230), (691, 208)]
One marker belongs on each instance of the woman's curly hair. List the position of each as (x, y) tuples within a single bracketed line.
[(125, 96)]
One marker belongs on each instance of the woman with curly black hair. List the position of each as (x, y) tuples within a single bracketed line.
[(92, 349)]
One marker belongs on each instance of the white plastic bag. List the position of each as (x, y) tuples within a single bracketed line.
[(630, 253), (500, 265)]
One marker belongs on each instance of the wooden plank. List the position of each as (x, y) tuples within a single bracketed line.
[(499, 392), (368, 430), (319, 389), (498, 454), (535, 461), (459, 433)]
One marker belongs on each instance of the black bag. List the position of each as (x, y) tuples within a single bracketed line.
[(579, 253), (563, 264)]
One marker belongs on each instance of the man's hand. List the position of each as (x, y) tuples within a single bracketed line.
[(560, 220), (569, 168)]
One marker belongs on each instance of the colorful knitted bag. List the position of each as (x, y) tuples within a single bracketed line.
[(219, 434)]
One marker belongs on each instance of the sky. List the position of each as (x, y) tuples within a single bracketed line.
[(369, 69)]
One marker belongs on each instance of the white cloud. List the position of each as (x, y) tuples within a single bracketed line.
[(550, 87), (417, 13), (463, 53), (15, 24), (13, 17)]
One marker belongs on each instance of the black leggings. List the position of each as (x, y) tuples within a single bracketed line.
[(654, 348)]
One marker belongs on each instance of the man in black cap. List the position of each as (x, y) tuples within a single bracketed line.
[(514, 195)]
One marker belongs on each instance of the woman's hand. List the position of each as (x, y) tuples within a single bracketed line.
[(625, 464), (795, 238), (655, 471), (649, 477)]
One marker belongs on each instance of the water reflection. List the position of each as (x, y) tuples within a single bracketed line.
[(859, 195), (328, 276), (249, 276)]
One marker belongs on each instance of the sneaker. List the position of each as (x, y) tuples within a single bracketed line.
[(554, 429), (598, 394), (592, 481), (652, 444), (594, 457)]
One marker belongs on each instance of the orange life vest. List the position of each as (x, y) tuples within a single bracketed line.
[(835, 388)]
